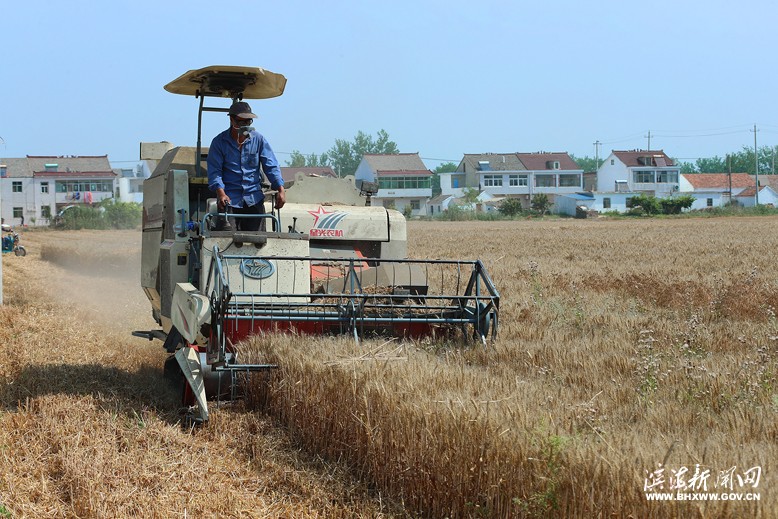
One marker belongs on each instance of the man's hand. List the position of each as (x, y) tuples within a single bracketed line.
[(222, 199), (280, 197)]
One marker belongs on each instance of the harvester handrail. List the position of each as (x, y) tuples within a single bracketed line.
[(209, 216)]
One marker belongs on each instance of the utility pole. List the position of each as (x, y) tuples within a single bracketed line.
[(649, 140), (729, 176), (597, 145), (756, 167)]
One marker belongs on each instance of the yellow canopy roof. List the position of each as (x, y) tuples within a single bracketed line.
[(229, 81)]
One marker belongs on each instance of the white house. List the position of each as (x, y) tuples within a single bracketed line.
[(518, 175), (715, 189), (403, 180), (35, 188), (767, 196), (438, 204), (602, 202), (129, 183), (644, 171)]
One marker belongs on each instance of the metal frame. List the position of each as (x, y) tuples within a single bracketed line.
[(470, 303)]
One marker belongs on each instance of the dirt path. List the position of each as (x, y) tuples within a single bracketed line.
[(90, 427)]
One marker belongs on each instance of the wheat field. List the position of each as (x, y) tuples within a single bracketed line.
[(626, 348)]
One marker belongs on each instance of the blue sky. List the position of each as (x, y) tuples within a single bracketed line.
[(443, 78)]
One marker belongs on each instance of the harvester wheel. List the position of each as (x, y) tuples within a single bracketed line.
[(20, 251)]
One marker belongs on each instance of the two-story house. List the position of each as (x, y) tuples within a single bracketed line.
[(404, 182), (649, 172), (35, 188), (515, 175)]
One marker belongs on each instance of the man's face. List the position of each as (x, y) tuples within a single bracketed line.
[(238, 122)]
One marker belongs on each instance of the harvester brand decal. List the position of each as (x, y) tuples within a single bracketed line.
[(257, 268), (325, 223)]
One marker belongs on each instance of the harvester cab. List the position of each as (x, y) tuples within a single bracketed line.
[(330, 262)]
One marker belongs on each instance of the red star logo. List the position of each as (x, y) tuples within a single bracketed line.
[(318, 213)]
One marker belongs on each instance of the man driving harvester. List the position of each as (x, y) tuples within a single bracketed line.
[(236, 160)]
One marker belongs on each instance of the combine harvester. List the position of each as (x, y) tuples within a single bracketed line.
[(329, 263)]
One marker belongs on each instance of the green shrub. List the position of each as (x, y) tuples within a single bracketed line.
[(510, 207), (649, 204), (107, 215), (123, 215), (676, 205)]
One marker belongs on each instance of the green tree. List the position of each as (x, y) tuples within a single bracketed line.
[(586, 163), (743, 161), (345, 156), (711, 165), (298, 160), (470, 195), (540, 203), (446, 167), (687, 167)]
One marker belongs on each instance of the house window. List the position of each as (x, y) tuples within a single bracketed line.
[(44, 187), (404, 182), (51, 167), (46, 211), (3, 170), (454, 182), (415, 205), (517, 180), (100, 186), (545, 181), (709, 202), (643, 177), (492, 180), (16, 187), (613, 161), (667, 177), (606, 203), (18, 212), (569, 180)]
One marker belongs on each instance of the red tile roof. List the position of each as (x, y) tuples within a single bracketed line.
[(719, 180), (630, 158), (750, 191), (539, 161)]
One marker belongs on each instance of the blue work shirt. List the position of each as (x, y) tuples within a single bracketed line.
[(239, 170)]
